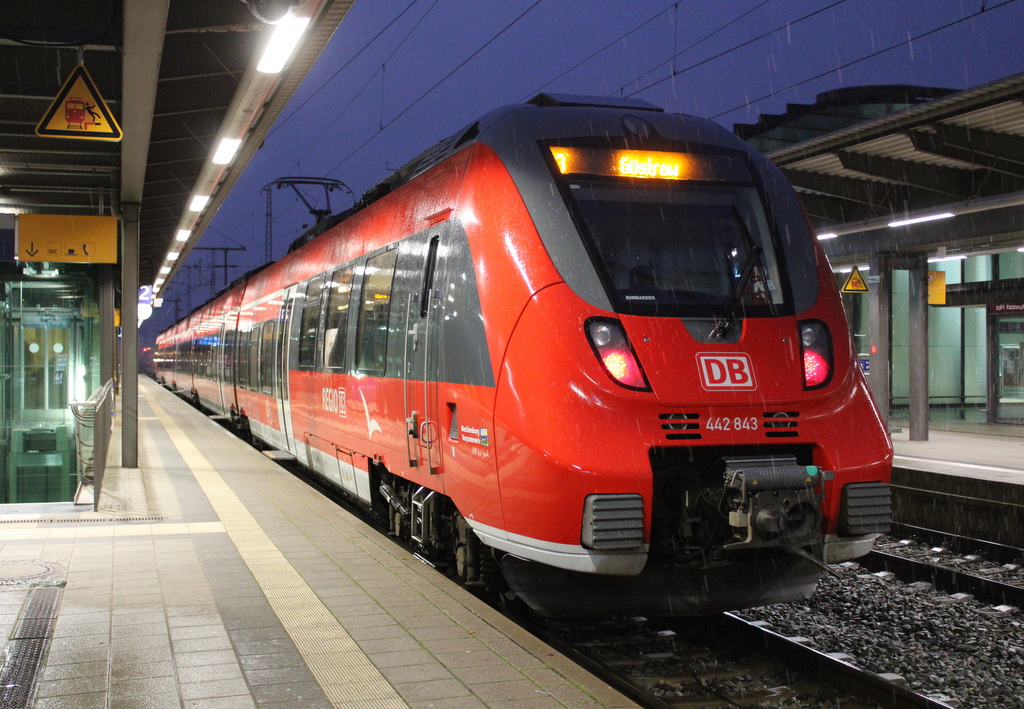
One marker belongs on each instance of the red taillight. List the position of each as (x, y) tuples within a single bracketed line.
[(816, 349), (815, 369), (611, 346)]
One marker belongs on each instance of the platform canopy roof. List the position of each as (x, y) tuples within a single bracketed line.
[(178, 75), (960, 154)]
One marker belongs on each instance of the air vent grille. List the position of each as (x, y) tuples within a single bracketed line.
[(781, 424), (681, 427), (613, 522)]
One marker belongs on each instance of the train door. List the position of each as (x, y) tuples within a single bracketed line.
[(285, 336), (420, 363), (219, 372)]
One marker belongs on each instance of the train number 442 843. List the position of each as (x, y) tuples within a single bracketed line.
[(734, 423)]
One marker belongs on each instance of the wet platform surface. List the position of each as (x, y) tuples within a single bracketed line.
[(996, 456), (213, 579)]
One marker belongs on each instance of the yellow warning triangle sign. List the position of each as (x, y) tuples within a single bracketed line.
[(855, 283), (79, 112)]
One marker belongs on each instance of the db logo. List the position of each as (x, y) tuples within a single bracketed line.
[(726, 371)]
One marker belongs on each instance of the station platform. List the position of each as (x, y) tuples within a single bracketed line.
[(211, 578)]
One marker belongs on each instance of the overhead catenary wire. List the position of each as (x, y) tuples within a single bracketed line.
[(872, 55), (436, 85), (764, 35)]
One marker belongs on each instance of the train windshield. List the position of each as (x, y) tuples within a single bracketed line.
[(681, 248)]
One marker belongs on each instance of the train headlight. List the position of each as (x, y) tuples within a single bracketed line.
[(815, 353), (615, 354)]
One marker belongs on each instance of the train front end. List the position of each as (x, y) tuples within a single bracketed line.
[(680, 427)]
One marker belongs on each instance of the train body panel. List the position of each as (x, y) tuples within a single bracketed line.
[(595, 348)]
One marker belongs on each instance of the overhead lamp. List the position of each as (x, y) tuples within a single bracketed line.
[(172, 256), (282, 43), (199, 203), (158, 282), (165, 269), (183, 235), (226, 150), (1021, 249), (918, 220), (827, 235), (937, 259)]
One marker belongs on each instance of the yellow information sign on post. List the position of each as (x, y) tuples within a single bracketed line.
[(79, 112), (65, 238), (855, 283)]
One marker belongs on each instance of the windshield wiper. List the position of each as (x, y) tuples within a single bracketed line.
[(725, 322)]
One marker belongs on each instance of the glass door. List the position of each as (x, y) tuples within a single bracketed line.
[(1010, 384)]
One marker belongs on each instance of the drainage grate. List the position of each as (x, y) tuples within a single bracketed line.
[(25, 652)]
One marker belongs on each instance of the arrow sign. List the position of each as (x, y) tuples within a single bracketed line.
[(79, 112), (31, 250)]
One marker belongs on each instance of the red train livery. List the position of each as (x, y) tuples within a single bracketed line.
[(584, 348)]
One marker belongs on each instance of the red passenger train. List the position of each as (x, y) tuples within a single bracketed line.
[(583, 347)]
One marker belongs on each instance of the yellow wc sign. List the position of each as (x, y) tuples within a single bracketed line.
[(79, 112)]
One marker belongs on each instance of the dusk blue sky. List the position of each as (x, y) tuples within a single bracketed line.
[(424, 68)]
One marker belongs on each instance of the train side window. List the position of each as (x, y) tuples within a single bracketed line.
[(229, 356), (336, 328), (428, 276), (267, 358), (310, 324), (242, 351), (254, 357), (374, 307)]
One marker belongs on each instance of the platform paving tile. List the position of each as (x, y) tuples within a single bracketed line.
[(209, 672), (89, 700), (80, 669), (213, 688), (215, 642), (437, 690), (129, 631), (287, 692), (470, 659), (274, 660), (193, 632), (147, 701), (74, 685), (235, 702), (207, 657), (485, 674), (140, 670)]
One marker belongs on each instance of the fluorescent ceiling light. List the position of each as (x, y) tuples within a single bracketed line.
[(172, 256), (165, 269), (199, 202), (183, 235), (937, 259), (282, 43), (226, 150), (827, 235), (158, 281), (1021, 249), (918, 220)]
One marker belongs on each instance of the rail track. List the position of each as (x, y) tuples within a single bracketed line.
[(729, 661)]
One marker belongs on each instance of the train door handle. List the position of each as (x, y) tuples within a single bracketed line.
[(428, 432)]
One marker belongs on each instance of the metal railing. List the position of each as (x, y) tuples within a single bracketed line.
[(93, 425)]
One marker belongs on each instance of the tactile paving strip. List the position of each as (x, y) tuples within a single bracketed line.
[(345, 674)]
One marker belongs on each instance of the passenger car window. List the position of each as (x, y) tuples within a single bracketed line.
[(310, 323), (374, 307), (336, 329)]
